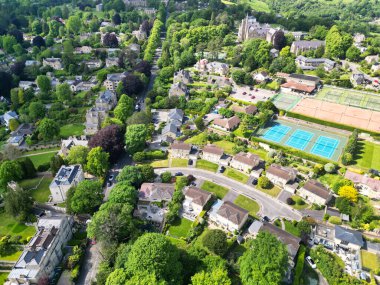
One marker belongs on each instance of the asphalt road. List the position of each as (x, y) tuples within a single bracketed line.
[(269, 206), (90, 265)]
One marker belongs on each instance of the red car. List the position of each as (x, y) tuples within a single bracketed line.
[(253, 97), (244, 93)]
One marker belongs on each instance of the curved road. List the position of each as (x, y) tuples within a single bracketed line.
[(269, 206)]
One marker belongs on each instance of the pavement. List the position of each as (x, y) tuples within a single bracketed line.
[(269, 206), (90, 265)]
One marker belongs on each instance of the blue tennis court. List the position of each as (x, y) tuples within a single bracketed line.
[(325, 146), (299, 139), (276, 133)]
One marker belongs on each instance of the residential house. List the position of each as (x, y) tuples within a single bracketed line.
[(371, 59), (83, 50), (93, 63), (113, 80), (112, 61), (99, 7), (299, 35), (357, 79), (307, 63), (315, 192), (170, 132), (228, 215), (245, 161), (182, 76), (4, 119), (227, 124), (178, 89), (261, 76), (299, 47), (359, 38), (140, 34), (201, 65), (66, 177), (16, 140), (136, 3), (219, 81), (107, 100), (29, 63), (79, 85), (218, 68), (281, 175), (44, 252), (180, 150), (246, 109), (348, 239), (301, 83), (18, 136), (67, 144), (55, 63), (375, 67), (195, 200), (366, 185), (212, 153), (94, 119), (274, 53), (134, 47), (175, 117), (26, 84)]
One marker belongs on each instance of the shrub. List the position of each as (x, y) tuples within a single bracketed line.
[(166, 177), (265, 183), (335, 220), (289, 201), (43, 167), (329, 167), (75, 273), (216, 241)]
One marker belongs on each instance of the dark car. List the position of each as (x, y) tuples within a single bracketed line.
[(190, 162), (254, 181), (222, 169), (178, 174), (265, 219)]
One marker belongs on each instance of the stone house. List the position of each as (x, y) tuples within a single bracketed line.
[(83, 50), (182, 76), (227, 124), (67, 144), (113, 80), (112, 61), (299, 47), (212, 153), (281, 175), (247, 109), (93, 63), (306, 63), (178, 89), (228, 215), (180, 150), (245, 161), (195, 200), (66, 177), (55, 63), (366, 185), (349, 239), (314, 192), (107, 100), (94, 119)]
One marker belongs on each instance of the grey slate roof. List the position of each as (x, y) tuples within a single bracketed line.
[(170, 128), (349, 236)]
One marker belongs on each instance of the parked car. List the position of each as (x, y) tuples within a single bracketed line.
[(110, 178), (311, 262), (178, 174), (190, 162), (254, 181), (222, 169), (265, 219)]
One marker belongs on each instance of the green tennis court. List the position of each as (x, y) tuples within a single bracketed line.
[(285, 101)]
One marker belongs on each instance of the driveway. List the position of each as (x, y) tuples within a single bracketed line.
[(269, 206), (90, 265), (231, 196)]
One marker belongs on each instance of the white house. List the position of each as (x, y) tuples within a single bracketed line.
[(4, 119), (227, 124), (314, 192), (261, 76), (195, 200), (366, 185), (281, 175), (212, 153), (228, 215), (245, 161), (43, 253), (180, 150), (55, 63), (66, 177)]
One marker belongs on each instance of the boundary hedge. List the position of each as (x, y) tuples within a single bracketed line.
[(299, 266)]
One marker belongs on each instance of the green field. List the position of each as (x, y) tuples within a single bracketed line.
[(274, 191), (41, 156), (260, 152), (248, 204), (160, 163), (42, 192), (225, 145), (290, 228), (257, 5), (206, 165), (38, 151), (180, 228), (200, 139), (218, 190), (71, 130), (3, 277), (368, 155), (370, 261), (10, 226), (13, 257), (300, 205), (179, 162), (236, 175)]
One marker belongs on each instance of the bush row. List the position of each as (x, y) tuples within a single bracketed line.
[(149, 155)]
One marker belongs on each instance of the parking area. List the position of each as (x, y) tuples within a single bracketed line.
[(251, 94), (159, 116)]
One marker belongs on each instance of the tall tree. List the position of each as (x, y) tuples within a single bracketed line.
[(10, 170), (63, 92), (135, 138), (78, 155), (124, 108), (43, 82), (218, 276), (18, 204), (47, 129), (36, 110), (337, 43), (88, 196), (265, 262), (74, 24), (97, 162)]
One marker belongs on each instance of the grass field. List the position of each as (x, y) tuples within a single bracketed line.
[(71, 130), (3, 277), (200, 139), (260, 152), (236, 175), (300, 205), (41, 150), (181, 228), (248, 204), (239, 133), (226, 146), (42, 192), (12, 257), (206, 165), (257, 5), (179, 162), (160, 163), (368, 155), (330, 179), (290, 228), (274, 191), (370, 261), (218, 190), (41, 158), (10, 226)]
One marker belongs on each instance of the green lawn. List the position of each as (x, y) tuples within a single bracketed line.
[(181, 228), (248, 204), (177, 242), (41, 156), (274, 191), (179, 162), (368, 155), (330, 179), (3, 277), (12, 257), (160, 163), (41, 150), (200, 139), (206, 165), (10, 226), (218, 190), (300, 205), (225, 145), (260, 152), (71, 130), (290, 228), (42, 192), (257, 5), (239, 133), (236, 175), (370, 261)]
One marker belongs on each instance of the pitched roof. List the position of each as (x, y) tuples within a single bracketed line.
[(170, 128), (349, 236), (298, 86), (247, 158), (304, 77), (308, 44), (175, 114), (250, 109), (317, 188), (372, 183), (210, 148), (156, 191), (180, 146), (198, 196), (283, 172), (232, 212), (229, 123)]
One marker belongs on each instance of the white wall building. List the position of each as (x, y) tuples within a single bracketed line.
[(66, 177)]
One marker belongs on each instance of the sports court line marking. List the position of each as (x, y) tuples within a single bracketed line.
[(299, 139), (325, 146)]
